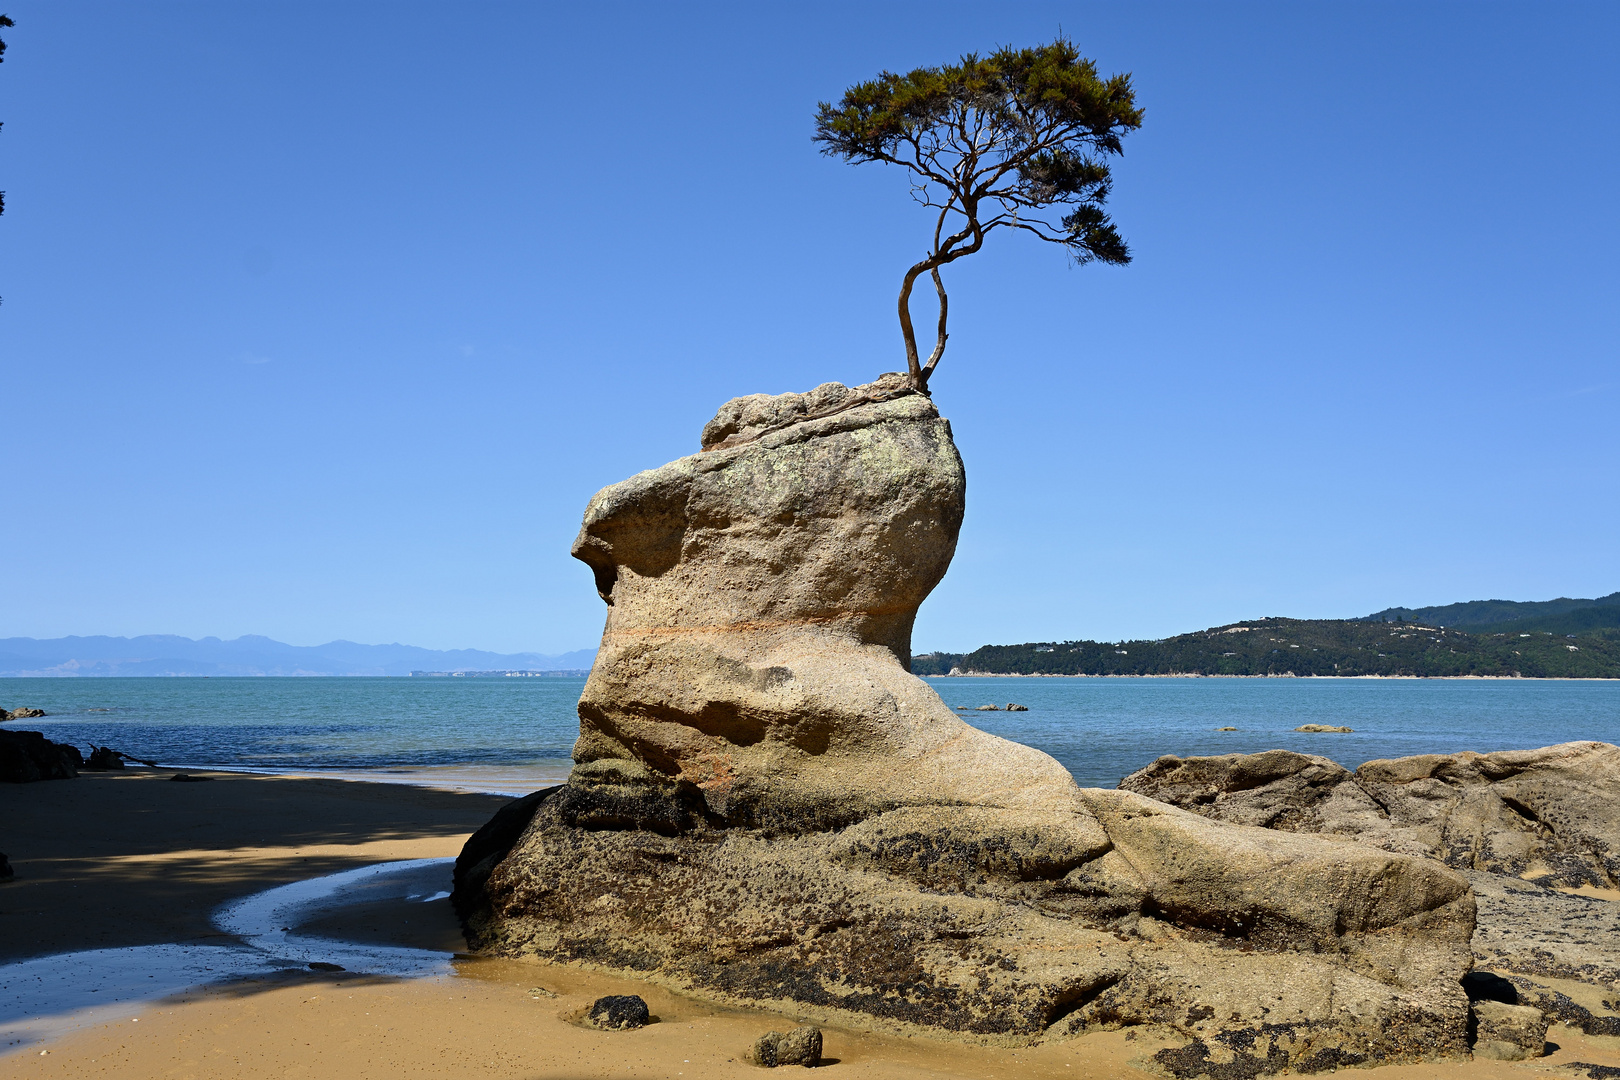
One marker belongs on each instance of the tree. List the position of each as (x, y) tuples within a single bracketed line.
[(5, 20), (1016, 140)]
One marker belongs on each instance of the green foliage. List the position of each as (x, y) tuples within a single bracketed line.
[(1017, 139), (1305, 647), (1562, 616)]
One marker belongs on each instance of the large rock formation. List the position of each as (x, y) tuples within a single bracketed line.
[(767, 807), (1536, 831)]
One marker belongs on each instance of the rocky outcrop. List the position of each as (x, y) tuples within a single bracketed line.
[(26, 756), (1537, 832), (768, 808), (1550, 816)]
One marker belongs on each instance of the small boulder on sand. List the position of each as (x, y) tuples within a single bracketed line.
[(801, 1046), (619, 1012), (1508, 1032)]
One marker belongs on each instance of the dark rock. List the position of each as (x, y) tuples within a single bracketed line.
[(187, 778), (5, 867), (1011, 707), (103, 758), (322, 965), (488, 846), (801, 1046), (26, 756), (619, 1012)]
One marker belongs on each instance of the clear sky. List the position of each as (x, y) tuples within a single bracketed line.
[(325, 320)]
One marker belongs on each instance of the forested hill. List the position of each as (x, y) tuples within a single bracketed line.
[(1304, 647), (1565, 615)]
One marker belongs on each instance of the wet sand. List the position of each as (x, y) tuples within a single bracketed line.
[(110, 860)]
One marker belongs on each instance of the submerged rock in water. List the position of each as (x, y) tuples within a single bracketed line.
[(769, 808)]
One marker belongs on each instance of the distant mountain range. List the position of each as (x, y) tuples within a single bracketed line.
[(165, 654), (1561, 638)]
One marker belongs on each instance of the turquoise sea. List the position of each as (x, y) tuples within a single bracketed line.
[(1100, 729)]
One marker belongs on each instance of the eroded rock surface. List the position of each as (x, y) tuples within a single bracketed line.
[(768, 808), (1551, 816), (1537, 832)]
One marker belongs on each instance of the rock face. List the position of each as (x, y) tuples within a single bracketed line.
[(28, 755), (1550, 816), (768, 808), (1536, 831)]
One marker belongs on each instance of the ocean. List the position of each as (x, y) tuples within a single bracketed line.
[(512, 735)]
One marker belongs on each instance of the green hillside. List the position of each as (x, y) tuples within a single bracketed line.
[(1276, 646), (1565, 615)]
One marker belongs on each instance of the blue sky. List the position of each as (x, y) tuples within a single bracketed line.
[(325, 320)]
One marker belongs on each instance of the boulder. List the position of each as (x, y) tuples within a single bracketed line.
[(768, 808), (5, 867), (1319, 729), (1508, 1032), (21, 714), (801, 1046), (619, 1012), (1015, 707), (28, 755)]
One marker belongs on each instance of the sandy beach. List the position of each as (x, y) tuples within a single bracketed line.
[(110, 860)]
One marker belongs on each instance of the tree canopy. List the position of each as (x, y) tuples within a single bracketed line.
[(1016, 140)]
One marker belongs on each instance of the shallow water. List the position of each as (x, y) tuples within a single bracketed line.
[(47, 996), (513, 735)]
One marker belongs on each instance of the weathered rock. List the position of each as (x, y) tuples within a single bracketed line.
[(768, 808), (21, 714), (801, 1046), (1522, 825), (1508, 1032), (1014, 707), (1319, 729), (619, 1012), (26, 756), (761, 599), (1551, 815)]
